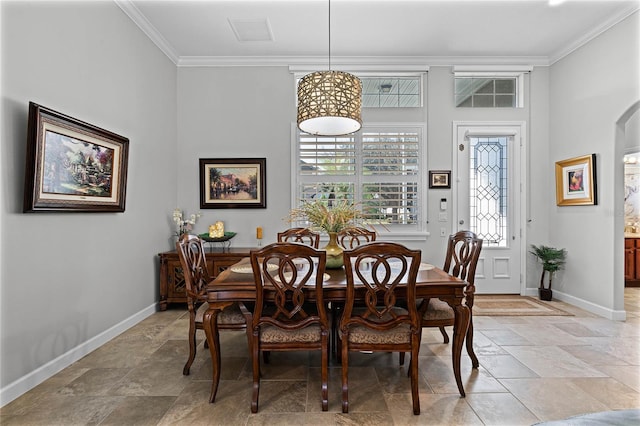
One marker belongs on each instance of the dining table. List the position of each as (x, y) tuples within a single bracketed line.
[(431, 282)]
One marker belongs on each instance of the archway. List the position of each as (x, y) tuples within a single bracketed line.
[(624, 143)]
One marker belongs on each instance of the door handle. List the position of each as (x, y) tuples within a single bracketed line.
[(461, 222)]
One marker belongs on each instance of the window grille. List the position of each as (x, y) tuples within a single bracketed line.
[(486, 92), (488, 195), (391, 92)]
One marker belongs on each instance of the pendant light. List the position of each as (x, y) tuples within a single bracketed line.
[(329, 102)]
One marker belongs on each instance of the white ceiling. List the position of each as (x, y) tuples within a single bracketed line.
[(428, 32)]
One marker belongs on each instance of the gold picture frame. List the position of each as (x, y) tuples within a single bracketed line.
[(576, 181)]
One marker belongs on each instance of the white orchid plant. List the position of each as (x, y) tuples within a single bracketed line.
[(184, 226)]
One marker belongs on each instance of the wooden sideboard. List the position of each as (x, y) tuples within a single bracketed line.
[(172, 287), (632, 262)]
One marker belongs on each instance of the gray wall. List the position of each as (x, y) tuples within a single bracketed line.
[(589, 91), (250, 111), (68, 280)]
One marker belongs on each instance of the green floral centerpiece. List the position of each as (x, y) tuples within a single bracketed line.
[(338, 216)]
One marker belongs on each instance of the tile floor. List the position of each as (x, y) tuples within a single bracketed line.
[(532, 369)]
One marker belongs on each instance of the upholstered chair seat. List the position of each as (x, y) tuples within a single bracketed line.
[(230, 315), (397, 335), (271, 334), (438, 310)]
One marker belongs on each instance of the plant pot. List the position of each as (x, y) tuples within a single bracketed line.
[(334, 252), (545, 293)]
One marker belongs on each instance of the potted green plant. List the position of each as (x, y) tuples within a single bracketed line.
[(552, 260)]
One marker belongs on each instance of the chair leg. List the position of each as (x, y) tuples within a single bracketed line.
[(324, 372), (401, 356), (255, 358), (192, 349), (345, 376), (444, 334), (413, 367)]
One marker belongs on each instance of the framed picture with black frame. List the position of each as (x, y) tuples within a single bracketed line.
[(73, 166), (233, 183), (440, 179)]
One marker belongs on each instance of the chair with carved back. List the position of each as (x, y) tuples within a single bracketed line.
[(463, 252), (300, 235), (282, 319), (350, 238), (389, 320), (191, 253)]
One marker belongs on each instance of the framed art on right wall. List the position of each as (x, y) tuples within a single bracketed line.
[(576, 181)]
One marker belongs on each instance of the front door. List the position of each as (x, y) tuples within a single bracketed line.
[(488, 195)]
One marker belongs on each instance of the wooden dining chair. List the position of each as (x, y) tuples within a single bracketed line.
[(386, 272), (191, 252), (300, 235), (282, 320), (350, 238), (463, 252)]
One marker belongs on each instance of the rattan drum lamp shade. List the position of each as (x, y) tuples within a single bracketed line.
[(329, 103)]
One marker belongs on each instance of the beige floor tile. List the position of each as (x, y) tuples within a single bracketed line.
[(552, 398), (628, 375), (505, 337), (192, 407), (500, 409), (505, 366), (551, 361), (438, 372), (593, 355), (434, 410), (139, 411), (610, 392)]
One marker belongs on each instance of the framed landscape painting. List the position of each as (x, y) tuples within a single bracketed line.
[(73, 166), (440, 179), (233, 183), (576, 181)]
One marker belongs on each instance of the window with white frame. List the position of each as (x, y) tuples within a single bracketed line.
[(489, 89), (377, 168), (391, 91)]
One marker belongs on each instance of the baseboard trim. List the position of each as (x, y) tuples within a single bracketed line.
[(599, 310), (39, 375)]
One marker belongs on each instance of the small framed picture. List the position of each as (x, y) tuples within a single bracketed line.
[(576, 181), (233, 183), (73, 166), (440, 179)]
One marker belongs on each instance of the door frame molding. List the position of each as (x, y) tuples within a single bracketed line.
[(498, 128)]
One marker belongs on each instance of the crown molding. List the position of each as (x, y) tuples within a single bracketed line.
[(382, 62), (595, 32), (362, 61), (143, 23)]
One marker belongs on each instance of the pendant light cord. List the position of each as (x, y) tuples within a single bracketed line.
[(329, 35)]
